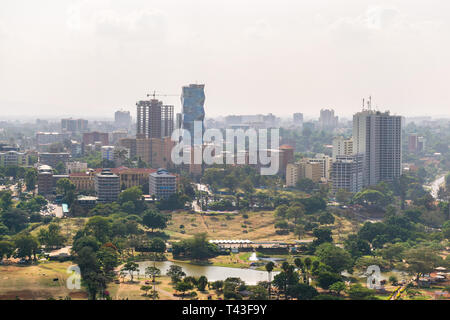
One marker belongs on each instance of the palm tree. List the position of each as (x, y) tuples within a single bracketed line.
[(299, 264), (269, 267)]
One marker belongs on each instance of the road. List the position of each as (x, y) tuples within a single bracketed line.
[(435, 185), (203, 187)]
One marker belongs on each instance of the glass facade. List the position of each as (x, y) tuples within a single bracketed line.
[(192, 101)]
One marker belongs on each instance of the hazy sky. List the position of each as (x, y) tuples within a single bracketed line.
[(92, 57)]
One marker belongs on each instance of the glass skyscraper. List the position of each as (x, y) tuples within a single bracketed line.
[(192, 101)]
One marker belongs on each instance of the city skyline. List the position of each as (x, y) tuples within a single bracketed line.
[(95, 56)]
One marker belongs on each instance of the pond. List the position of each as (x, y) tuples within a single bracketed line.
[(213, 273)]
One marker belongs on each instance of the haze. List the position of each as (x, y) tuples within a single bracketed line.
[(90, 58)]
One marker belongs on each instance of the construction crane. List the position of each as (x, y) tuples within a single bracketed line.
[(154, 95)]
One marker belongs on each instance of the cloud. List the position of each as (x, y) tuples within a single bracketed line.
[(373, 20), (149, 23), (101, 20), (259, 30), (381, 22)]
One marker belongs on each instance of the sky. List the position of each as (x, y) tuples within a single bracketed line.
[(89, 58)]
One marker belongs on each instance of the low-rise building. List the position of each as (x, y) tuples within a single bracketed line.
[(162, 184), (52, 159), (76, 166), (347, 173), (108, 153), (13, 158), (107, 186), (45, 180), (83, 181)]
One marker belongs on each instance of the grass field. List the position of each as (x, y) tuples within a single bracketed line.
[(43, 281), (131, 290), (259, 226)]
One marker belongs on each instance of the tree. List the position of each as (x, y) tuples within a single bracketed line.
[(60, 168), (371, 198), (81, 241), (92, 277), (302, 291), (30, 179), (183, 286), (153, 272), (6, 249), (285, 279), (343, 196), (326, 218), (108, 260), (322, 235), (146, 289), (157, 245), (306, 185), (133, 195), (269, 268), (5, 200), (197, 248), (258, 293), (281, 210), (357, 247), (175, 273), (100, 228), (154, 220), (131, 267), (202, 282), (338, 287), (421, 261), (64, 185), (358, 292), (326, 278), (15, 220), (67, 188), (231, 183), (295, 212), (299, 231), (393, 280), (27, 246), (51, 236)]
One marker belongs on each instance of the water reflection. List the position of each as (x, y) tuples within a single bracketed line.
[(213, 273)]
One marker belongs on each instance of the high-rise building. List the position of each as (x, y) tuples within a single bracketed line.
[(162, 184), (347, 173), (377, 135), (74, 125), (166, 121), (122, 119), (286, 156), (179, 121), (327, 120), (107, 186), (342, 147), (416, 144), (298, 119), (192, 101), (149, 119)]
